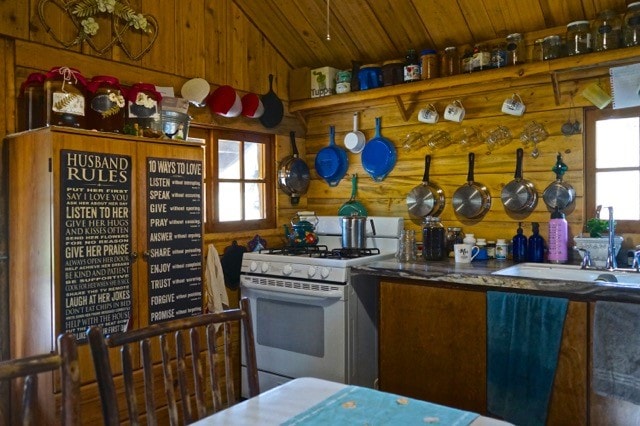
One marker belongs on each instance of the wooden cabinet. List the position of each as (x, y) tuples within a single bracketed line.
[(103, 229), (433, 347)]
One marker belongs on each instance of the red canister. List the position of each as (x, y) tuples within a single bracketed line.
[(65, 90), (106, 107)]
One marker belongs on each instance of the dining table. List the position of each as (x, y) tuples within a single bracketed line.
[(313, 401)]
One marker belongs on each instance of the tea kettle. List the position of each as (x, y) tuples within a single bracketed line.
[(302, 232)]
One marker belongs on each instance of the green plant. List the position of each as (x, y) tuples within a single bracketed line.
[(596, 227)]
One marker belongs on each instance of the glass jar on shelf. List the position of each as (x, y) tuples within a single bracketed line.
[(31, 103), (578, 38), (499, 55), (515, 49), (481, 57), (551, 47), (449, 62), (428, 64), (144, 104), (106, 104), (412, 67), (606, 31), (537, 51), (631, 25), (65, 91)]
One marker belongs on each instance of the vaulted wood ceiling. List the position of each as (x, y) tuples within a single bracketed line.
[(377, 30)]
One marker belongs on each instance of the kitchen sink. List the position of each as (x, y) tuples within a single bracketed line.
[(547, 271)]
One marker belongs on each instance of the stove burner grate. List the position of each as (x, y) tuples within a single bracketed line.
[(350, 253), (308, 251)]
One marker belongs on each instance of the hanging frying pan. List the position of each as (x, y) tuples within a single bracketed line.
[(379, 155), (353, 206), (293, 174), (331, 161), (519, 195), (471, 200), (273, 109), (559, 194), (426, 199)]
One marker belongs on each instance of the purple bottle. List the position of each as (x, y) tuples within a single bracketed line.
[(558, 238)]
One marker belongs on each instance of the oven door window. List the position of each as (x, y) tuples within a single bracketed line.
[(292, 326)]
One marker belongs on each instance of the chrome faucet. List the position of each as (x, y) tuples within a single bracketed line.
[(635, 265), (611, 250), (586, 262)]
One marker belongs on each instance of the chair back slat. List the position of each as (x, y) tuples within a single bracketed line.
[(127, 373), (218, 361), (64, 360)]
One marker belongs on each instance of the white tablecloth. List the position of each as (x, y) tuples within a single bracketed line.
[(277, 405)]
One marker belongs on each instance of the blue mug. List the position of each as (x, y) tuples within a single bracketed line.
[(482, 254)]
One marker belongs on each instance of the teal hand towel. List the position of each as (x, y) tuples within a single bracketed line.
[(524, 333)]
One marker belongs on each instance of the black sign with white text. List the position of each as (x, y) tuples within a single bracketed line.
[(174, 229), (95, 237)]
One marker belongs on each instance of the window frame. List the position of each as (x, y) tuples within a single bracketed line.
[(212, 203), (591, 115)]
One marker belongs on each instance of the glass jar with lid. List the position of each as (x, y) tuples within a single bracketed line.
[(428, 64), (65, 91), (537, 54), (449, 62), (499, 56), (31, 103), (392, 72), (481, 57), (551, 47), (466, 61), (144, 105), (433, 239), (631, 25), (106, 106), (578, 38), (606, 31), (515, 49)]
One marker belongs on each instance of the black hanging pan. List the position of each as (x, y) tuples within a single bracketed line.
[(519, 195), (293, 174), (472, 200), (426, 199), (273, 108)]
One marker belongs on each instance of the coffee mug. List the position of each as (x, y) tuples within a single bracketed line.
[(465, 253), (514, 105), (454, 111), (428, 115)]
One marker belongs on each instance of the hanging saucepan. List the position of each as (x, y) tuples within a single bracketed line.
[(331, 161), (559, 194), (273, 108), (426, 199), (353, 206), (519, 195), (471, 200), (293, 174), (379, 155)]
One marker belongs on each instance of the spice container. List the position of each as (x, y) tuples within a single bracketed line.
[(515, 49), (411, 67), (144, 103), (428, 64), (578, 38), (449, 62), (392, 72), (433, 239), (606, 31), (551, 47), (631, 25), (64, 89), (106, 104), (31, 103)]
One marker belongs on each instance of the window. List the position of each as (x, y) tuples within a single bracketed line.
[(612, 165), (239, 180)]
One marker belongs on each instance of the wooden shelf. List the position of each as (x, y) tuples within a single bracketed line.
[(555, 71)]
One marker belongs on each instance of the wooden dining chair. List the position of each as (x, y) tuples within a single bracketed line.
[(27, 369), (216, 367)]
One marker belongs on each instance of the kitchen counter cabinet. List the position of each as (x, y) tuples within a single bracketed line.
[(433, 347)]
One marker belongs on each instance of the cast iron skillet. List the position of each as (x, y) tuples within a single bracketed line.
[(426, 199), (273, 109), (472, 200), (519, 195)]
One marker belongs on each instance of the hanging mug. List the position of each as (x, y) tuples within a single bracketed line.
[(428, 115), (514, 105), (454, 111)]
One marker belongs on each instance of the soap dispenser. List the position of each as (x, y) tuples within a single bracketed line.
[(558, 238), (535, 250), (519, 245)]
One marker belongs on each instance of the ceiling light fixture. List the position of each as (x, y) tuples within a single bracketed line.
[(328, 33)]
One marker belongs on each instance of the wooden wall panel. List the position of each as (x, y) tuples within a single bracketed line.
[(162, 57)]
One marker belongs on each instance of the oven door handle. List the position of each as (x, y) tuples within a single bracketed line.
[(294, 293)]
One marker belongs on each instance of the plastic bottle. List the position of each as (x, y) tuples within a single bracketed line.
[(501, 249), (535, 250), (558, 238), (519, 245), (469, 239)]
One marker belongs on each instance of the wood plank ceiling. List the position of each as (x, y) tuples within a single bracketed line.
[(378, 30)]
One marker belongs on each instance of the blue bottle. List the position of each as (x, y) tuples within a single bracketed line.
[(535, 251), (519, 246)]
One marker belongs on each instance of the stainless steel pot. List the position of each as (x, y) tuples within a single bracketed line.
[(354, 231)]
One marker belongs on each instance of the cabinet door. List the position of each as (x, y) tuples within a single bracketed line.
[(433, 344)]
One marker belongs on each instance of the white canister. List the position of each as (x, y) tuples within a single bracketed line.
[(502, 249)]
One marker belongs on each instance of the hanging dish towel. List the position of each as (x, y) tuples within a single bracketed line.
[(217, 298), (616, 357), (524, 333)]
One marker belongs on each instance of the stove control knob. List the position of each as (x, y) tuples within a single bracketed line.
[(253, 266), (324, 272), (287, 269), (312, 271), (265, 267)]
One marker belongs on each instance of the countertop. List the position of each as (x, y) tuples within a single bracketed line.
[(477, 276)]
